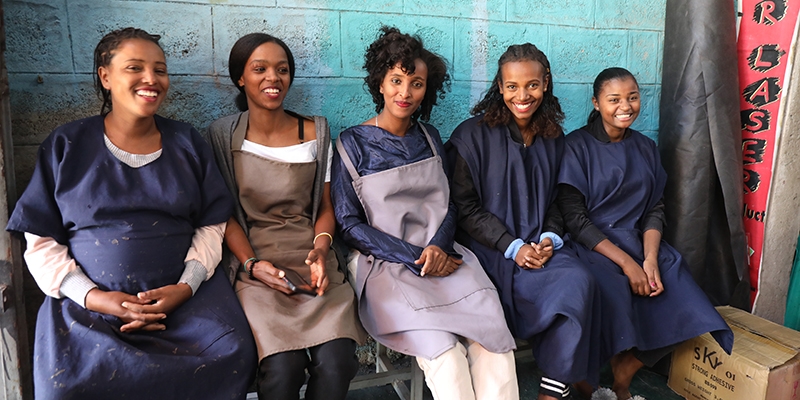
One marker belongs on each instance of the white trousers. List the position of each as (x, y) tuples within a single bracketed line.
[(471, 373)]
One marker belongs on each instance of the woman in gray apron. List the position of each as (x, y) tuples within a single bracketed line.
[(419, 292), (276, 164)]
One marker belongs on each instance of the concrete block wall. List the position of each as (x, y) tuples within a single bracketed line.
[(50, 44)]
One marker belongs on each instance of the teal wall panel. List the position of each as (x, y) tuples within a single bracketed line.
[(50, 44)]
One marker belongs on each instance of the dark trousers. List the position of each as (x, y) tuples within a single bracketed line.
[(331, 367)]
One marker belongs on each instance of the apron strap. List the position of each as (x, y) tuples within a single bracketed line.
[(240, 131), (427, 136), (346, 160)]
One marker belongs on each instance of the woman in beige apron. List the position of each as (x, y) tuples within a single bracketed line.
[(299, 307), (419, 292)]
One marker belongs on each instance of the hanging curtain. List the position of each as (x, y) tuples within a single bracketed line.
[(700, 142)]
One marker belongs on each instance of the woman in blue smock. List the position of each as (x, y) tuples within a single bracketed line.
[(124, 219), (611, 186), (505, 165)]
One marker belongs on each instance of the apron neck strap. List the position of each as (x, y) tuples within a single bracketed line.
[(348, 163), (428, 137)]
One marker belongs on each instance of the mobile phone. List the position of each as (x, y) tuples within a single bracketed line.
[(296, 283)]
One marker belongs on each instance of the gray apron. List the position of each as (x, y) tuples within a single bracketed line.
[(276, 197), (420, 316)]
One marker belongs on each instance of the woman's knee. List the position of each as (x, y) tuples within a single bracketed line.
[(281, 375), (336, 358)]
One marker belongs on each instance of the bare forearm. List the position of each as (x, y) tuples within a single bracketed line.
[(615, 254), (652, 242), (237, 241)]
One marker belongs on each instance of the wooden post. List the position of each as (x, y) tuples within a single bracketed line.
[(15, 365)]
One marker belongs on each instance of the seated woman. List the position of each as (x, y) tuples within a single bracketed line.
[(276, 164), (505, 162), (419, 292), (124, 218), (610, 188)]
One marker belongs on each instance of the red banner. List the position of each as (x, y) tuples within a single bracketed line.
[(765, 37)]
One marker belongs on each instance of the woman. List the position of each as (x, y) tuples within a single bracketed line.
[(610, 188), (276, 164), (505, 165), (124, 218), (419, 293)]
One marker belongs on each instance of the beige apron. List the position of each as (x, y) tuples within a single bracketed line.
[(276, 197), (421, 316)]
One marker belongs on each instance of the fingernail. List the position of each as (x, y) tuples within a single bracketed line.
[(124, 304)]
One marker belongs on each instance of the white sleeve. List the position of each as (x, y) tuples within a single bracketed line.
[(54, 270), (207, 247)]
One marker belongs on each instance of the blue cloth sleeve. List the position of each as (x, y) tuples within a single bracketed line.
[(513, 249), (558, 243), (355, 230)]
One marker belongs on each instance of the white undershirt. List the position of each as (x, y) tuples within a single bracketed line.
[(296, 153)]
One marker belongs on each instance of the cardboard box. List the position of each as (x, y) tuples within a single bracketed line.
[(764, 364)]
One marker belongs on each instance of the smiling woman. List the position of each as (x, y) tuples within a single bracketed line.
[(276, 163), (419, 292), (124, 218)]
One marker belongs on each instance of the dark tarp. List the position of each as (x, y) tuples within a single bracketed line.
[(700, 142)]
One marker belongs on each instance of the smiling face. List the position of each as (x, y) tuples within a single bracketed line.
[(403, 93), (266, 77), (618, 103), (523, 86), (136, 77)]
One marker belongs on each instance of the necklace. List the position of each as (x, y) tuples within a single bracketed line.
[(376, 121)]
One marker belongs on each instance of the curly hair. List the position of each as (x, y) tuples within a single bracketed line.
[(603, 77), (546, 120), (104, 52), (241, 52), (393, 47)]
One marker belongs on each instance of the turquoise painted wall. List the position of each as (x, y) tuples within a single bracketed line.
[(50, 44)]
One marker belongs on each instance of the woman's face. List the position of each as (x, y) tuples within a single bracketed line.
[(137, 78), (523, 86), (266, 77), (618, 103), (403, 93)]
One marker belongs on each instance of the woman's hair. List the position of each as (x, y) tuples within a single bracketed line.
[(546, 119), (104, 52), (393, 47), (603, 77), (240, 53)]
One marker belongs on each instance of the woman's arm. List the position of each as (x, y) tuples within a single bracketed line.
[(323, 238), (57, 274), (355, 230), (262, 270), (576, 217)]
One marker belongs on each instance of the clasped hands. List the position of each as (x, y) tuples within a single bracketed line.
[(435, 262), (644, 280), (144, 311), (535, 255)]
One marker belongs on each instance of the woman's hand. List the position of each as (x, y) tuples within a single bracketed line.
[(265, 272), (650, 268), (118, 304), (163, 300), (544, 249), (530, 258), (436, 262), (319, 278), (637, 278)]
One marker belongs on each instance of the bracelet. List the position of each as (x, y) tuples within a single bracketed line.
[(251, 261), (322, 234)]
